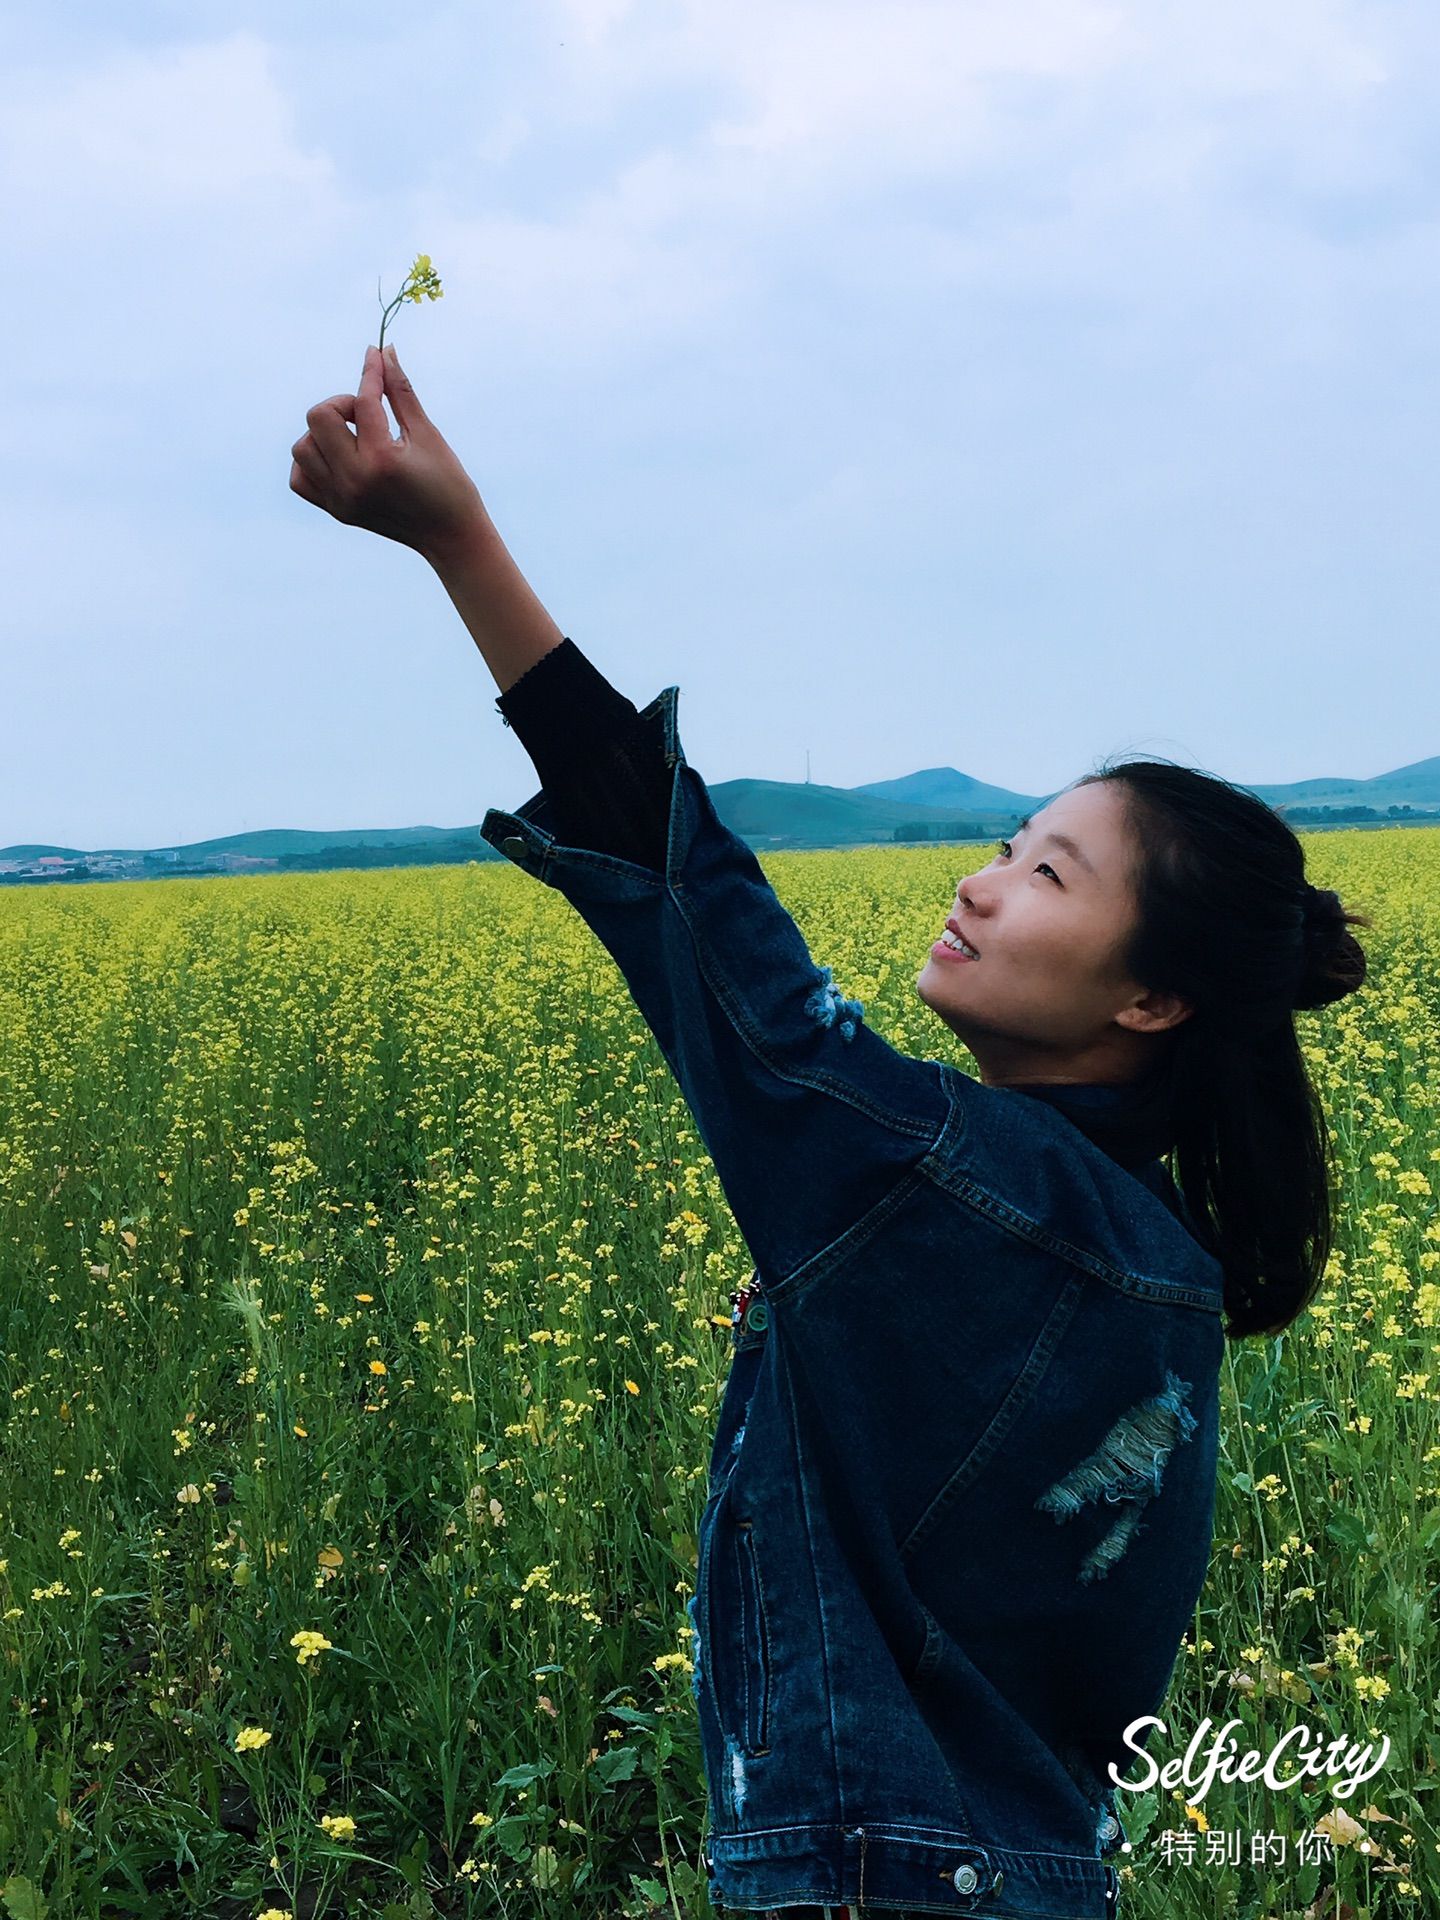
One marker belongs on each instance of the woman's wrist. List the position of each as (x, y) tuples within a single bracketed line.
[(505, 617)]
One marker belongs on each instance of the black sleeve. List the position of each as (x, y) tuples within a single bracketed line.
[(608, 788)]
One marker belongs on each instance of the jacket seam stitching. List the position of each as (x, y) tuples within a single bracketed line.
[(791, 1286), (798, 1282), (1017, 1399), (1010, 1220), (801, 1479), (754, 1037)]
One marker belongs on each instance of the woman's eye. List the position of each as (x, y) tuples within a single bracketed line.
[(1044, 866)]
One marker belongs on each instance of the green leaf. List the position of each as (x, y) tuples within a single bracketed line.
[(411, 1865), (526, 1774), (1140, 1817), (617, 1763), (23, 1900), (510, 1837), (1305, 1883), (632, 1716), (1346, 1531)]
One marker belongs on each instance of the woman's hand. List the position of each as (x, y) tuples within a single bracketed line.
[(413, 489)]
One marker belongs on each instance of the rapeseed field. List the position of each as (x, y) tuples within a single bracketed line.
[(366, 1317)]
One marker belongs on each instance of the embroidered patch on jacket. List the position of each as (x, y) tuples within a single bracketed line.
[(1126, 1467), (827, 1005)]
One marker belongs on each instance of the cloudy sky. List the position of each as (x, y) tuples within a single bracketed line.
[(918, 383)]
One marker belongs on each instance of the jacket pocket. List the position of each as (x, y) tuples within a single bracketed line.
[(754, 1642), (737, 1629)]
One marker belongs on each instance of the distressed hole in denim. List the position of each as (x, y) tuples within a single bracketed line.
[(737, 1774), (694, 1648), (1126, 1467), (828, 1005)]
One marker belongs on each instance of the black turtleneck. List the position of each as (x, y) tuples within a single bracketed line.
[(607, 787), (1131, 1122)]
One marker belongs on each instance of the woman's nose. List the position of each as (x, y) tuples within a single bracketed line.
[(972, 895)]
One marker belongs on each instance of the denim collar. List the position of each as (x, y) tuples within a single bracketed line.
[(1131, 1123)]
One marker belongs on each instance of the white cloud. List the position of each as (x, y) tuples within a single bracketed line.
[(158, 134), (1043, 280)]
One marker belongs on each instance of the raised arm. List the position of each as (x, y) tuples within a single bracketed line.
[(810, 1117), (415, 491)]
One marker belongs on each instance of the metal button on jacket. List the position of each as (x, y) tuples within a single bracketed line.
[(514, 847), (976, 1319)]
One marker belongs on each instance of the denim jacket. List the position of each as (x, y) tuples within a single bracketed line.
[(961, 1492)]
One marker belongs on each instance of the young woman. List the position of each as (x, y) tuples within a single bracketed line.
[(961, 1489)]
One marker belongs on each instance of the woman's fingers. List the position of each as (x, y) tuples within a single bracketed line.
[(301, 483), (404, 400), (367, 410), (327, 423), (412, 489)]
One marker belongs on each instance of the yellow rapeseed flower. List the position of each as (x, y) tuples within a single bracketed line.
[(310, 1645), (249, 1738), (421, 283)]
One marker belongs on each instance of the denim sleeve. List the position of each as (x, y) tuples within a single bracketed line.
[(810, 1117)]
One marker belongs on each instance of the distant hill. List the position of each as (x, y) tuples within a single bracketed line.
[(1417, 785), (937, 804), (782, 813), (949, 790)]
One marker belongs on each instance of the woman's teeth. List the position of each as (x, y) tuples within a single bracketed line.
[(950, 939)]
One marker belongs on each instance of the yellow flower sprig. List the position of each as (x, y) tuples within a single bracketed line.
[(422, 282)]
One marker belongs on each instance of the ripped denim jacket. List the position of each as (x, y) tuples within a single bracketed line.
[(961, 1492)]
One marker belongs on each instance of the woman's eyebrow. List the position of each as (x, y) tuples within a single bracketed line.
[(1065, 843)]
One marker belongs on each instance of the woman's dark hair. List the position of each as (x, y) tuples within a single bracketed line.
[(1228, 920)]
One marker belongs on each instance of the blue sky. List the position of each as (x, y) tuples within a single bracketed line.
[(918, 384)]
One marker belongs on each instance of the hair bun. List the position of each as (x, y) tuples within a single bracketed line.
[(1334, 960), (1323, 909)]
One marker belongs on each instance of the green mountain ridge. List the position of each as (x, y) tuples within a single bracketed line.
[(933, 804)]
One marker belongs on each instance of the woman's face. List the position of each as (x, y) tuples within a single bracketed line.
[(1050, 916)]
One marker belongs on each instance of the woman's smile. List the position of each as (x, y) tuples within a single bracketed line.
[(942, 950)]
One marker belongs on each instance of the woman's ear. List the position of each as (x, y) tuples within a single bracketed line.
[(1154, 1012)]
